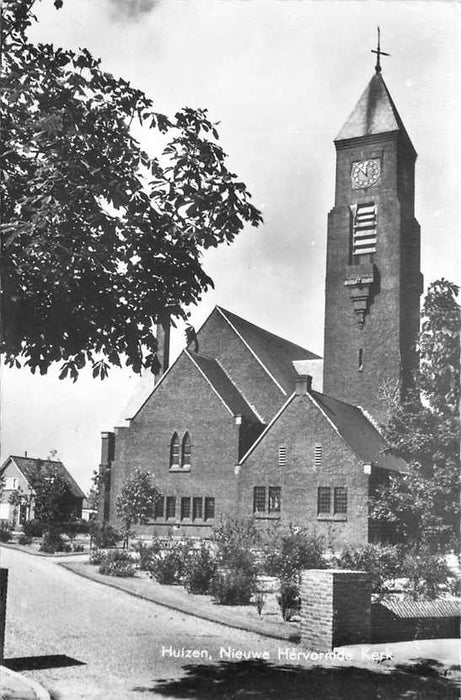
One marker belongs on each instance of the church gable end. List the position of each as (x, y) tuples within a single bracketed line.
[(319, 480)]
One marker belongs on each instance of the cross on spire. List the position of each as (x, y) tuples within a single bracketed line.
[(379, 53)]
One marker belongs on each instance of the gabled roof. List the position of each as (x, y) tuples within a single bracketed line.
[(224, 387), (352, 425), (274, 353), (28, 465), (374, 113), (359, 433)]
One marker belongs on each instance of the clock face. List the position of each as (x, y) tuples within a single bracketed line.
[(365, 173)]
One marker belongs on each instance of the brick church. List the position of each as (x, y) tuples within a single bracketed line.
[(245, 423)]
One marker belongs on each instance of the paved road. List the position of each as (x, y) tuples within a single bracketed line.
[(115, 641), (123, 642)]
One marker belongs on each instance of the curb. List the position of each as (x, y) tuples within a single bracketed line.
[(40, 692), (45, 555), (202, 615)]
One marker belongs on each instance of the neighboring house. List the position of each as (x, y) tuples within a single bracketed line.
[(17, 473), (239, 425), (88, 513)]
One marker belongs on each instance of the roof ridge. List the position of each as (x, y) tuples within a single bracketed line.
[(253, 408), (264, 330)]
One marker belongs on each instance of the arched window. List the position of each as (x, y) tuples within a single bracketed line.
[(186, 451), (174, 451)]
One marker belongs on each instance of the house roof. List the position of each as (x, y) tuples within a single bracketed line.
[(425, 609), (274, 353), (352, 425), (374, 113), (224, 387), (360, 434), (28, 465)]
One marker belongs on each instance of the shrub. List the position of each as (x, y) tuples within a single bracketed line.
[(24, 539), (5, 532), (234, 535), (200, 570), (147, 552), (426, 573), (52, 542), (231, 587), (289, 599), (76, 527), (117, 563), (382, 562), (78, 548), (34, 528), (294, 551), (104, 535), (97, 556), (168, 567)]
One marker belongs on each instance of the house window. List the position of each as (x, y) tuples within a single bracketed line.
[(185, 507), (282, 455), (259, 499), (340, 500), (11, 483), (209, 508), (197, 508), (159, 510), (185, 451), (317, 456), (174, 451), (324, 500), (360, 367), (170, 507), (364, 233), (275, 498)]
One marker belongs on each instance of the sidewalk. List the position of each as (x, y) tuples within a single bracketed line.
[(242, 617), (13, 686)]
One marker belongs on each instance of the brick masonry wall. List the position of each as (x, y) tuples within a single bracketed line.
[(335, 608), (300, 427), (392, 321), (183, 401), (218, 340)]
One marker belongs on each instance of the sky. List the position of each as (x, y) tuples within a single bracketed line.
[(281, 78)]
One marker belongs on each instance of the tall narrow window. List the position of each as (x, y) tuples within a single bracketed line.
[(185, 507), (364, 233), (209, 508), (174, 451), (317, 456), (360, 360), (282, 455), (197, 508), (340, 500), (159, 510), (324, 500), (170, 507), (259, 499), (275, 499), (185, 451)]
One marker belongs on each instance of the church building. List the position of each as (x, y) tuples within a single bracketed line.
[(245, 423)]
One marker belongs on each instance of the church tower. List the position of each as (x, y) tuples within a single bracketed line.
[(373, 278)]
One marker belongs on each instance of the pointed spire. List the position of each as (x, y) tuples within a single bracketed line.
[(374, 113)]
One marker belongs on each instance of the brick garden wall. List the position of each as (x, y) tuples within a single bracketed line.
[(335, 608)]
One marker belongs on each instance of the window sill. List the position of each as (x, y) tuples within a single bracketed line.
[(267, 516), (180, 470), (339, 517)]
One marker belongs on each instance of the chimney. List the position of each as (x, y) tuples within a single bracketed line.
[(303, 384), (163, 345)]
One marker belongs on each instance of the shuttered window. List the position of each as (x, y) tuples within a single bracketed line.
[(282, 455), (364, 230), (317, 456)]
